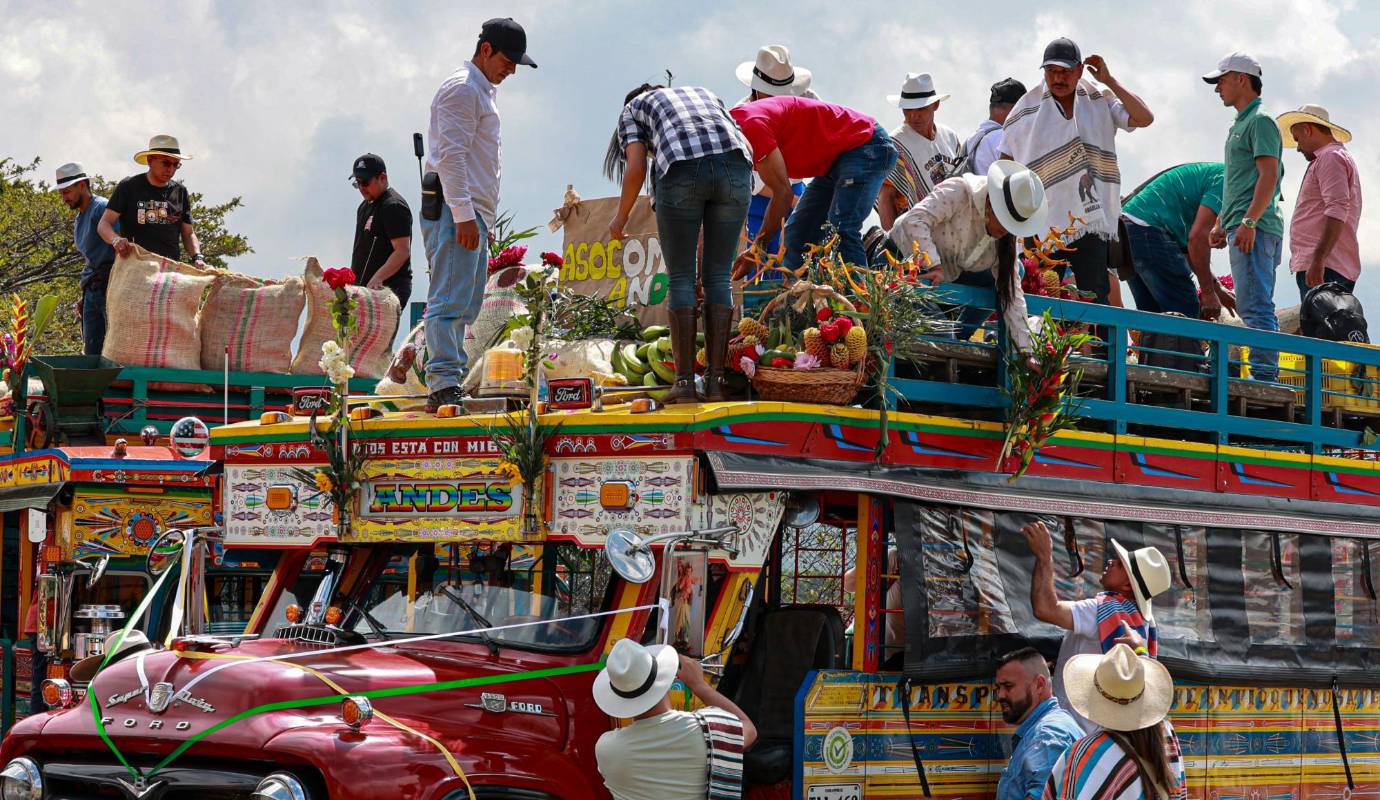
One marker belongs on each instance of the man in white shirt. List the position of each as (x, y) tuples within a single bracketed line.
[(664, 754), (927, 152), (984, 146), (465, 153)]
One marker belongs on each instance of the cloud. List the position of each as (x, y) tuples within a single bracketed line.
[(274, 100)]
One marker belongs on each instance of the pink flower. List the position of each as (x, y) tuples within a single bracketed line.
[(1228, 282), (748, 366), (807, 361), (510, 257)]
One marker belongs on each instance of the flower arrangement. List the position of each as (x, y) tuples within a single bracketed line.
[(1042, 387), (1043, 264)]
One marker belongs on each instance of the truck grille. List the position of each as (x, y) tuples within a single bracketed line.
[(316, 634), (74, 781)]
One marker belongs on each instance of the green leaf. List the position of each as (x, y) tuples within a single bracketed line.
[(43, 313)]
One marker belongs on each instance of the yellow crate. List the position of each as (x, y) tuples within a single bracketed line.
[(1350, 392)]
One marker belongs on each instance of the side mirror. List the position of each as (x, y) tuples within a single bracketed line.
[(802, 509), (97, 571), (629, 556), (165, 551)]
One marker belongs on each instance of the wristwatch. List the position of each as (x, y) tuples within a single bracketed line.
[(1247, 222)]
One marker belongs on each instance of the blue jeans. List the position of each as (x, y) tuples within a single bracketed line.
[(457, 289), (757, 212), (842, 197), (93, 317), (1163, 280), (712, 192), (1329, 276), (1254, 274)]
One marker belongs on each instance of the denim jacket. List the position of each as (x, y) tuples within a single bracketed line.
[(1037, 743)]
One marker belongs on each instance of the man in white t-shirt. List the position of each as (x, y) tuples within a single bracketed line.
[(665, 754), (927, 152), (984, 146), (1119, 615)]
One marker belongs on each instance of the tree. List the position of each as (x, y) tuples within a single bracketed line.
[(38, 256)]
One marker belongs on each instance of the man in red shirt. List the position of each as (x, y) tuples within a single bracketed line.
[(1323, 245), (847, 154)]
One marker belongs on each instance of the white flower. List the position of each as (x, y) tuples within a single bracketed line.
[(335, 362), (522, 337)]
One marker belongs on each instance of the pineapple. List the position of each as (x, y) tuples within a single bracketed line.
[(838, 355), (857, 343), (815, 346), (751, 341), (748, 326)]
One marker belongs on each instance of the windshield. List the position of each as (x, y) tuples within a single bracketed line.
[(300, 592), (532, 594)]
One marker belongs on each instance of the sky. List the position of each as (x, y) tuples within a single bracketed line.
[(274, 100)]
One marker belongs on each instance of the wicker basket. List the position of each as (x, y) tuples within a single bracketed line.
[(825, 385)]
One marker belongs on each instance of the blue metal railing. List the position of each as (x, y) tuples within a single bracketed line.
[(1306, 366)]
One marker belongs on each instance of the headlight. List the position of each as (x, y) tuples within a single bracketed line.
[(278, 786), (21, 780), (57, 693)]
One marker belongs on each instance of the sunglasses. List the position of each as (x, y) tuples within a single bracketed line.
[(170, 163), (360, 184)]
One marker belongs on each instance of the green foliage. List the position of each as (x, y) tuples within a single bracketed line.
[(504, 236), (39, 257)]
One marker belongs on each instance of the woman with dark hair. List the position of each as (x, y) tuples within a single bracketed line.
[(1135, 756), (967, 226), (701, 180)]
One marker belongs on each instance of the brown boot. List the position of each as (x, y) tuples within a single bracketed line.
[(718, 322), (683, 350)]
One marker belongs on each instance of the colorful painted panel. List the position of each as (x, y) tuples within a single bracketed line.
[(1147, 462), (268, 507), (1324, 776), (1343, 480), (757, 515), (116, 523), (437, 499), (1244, 471), (32, 470), (1254, 742), (649, 494)]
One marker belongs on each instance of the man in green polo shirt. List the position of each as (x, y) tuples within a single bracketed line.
[(1250, 223), (1169, 220)]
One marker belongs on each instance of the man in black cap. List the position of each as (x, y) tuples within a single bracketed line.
[(465, 153), (383, 232), (1065, 130), (984, 146)]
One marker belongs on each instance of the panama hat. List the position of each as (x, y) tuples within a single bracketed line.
[(1149, 574), (772, 73), (635, 678), (68, 174), (916, 92), (161, 145), (83, 671), (1309, 113), (1018, 198), (1119, 690)]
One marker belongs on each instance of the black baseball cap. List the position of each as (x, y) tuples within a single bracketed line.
[(508, 38), (1062, 52), (1006, 92), (367, 166)]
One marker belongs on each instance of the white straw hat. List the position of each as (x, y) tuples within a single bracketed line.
[(916, 92), (83, 671), (68, 174), (1149, 574), (1120, 690), (1017, 196), (635, 678), (772, 73), (161, 145), (1309, 113)]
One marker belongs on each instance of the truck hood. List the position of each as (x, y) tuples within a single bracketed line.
[(156, 700)]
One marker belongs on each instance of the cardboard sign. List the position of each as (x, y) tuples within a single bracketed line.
[(631, 271)]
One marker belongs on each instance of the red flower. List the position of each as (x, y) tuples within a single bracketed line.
[(550, 259), (830, 331), (339, 277), (824, 314), (844, 324), (510, 257), (780, 362)]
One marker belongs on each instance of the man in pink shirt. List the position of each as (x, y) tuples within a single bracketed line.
[(847, 154), (1322, 234)]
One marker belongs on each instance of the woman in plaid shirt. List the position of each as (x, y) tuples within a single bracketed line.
[(701, 178)]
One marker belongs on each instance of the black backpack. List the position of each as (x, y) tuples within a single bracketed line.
[(1331, 312)]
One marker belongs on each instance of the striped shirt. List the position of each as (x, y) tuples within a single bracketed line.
[(723, 738), (1096, 626), (679, 124), (1096, 768)]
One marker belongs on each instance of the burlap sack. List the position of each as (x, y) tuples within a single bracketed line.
[(151, 312), (500, 304), (630, 272), (256, 320), (376, 315)]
